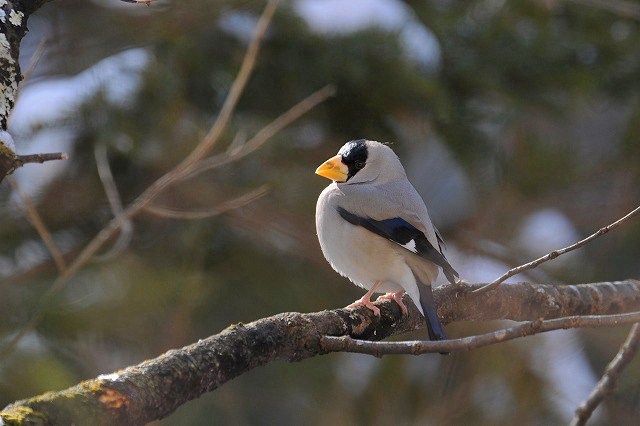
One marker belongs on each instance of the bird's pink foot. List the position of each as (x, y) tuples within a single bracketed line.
[(398, 298), (365, 301)]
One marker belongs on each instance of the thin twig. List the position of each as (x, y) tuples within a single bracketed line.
[(607, 383), (212, 137), (238, 140), (226, 206), (145, 2), (498, 252), (106, 177), (115, 202), (284, 120), (235, 92), (34, 61), (40, 227), (21, 160), (556, 253), (418, 347)]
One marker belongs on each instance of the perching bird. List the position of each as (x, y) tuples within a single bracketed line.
[(374, 229)]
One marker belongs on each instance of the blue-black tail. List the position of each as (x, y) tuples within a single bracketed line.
[(434, 328)]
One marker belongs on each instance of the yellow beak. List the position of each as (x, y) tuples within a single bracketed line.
[(334, 169)]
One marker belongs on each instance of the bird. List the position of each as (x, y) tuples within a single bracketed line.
[(374, 228)]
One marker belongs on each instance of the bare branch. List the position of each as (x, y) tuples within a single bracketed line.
[(235, 92), (145, 2), (40, 227), (238, 141), (607, 383), (21, 160), (115, 202), (34, 61), (106, 177), (420, 347), (155, 388), (223, 207), (238, 150), (9, 162), (552, 255)]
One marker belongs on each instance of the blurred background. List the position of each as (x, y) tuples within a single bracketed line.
[(518, 122)]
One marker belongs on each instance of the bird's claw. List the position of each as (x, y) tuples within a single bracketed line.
[(367, 303), (398, 299)]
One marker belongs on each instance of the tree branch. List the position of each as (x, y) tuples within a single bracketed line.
[(13, 27), (40, 227), (552, 255), (9, 161), (155, 388), (115, 202), (225, 206), (421, 347)]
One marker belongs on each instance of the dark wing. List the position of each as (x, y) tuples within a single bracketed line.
[(439, 238), (405, 235)]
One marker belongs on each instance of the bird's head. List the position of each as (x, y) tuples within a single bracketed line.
[(361, 161)]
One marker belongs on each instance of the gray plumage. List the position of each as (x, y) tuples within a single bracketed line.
[(374, 226)]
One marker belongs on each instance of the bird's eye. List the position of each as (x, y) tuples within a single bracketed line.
[(359, 164)]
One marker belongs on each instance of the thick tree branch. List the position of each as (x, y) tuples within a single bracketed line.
[(155, 388), (13, 27), (527, 302)]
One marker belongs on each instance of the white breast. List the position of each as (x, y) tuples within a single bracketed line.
[(359, 254)]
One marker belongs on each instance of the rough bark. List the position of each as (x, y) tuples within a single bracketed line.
[(13, 27), (525, 301), (155, 388)]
